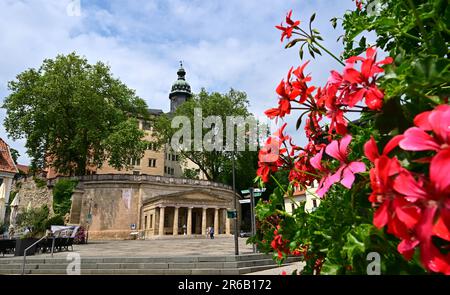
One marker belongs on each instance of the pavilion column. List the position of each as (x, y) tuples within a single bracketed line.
[(161, 221), (227, 225), (216, 221), (204, 221), (153, 222), (175, 221), (189, 221)]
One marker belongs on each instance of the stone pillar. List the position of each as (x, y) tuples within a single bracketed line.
[(161, 221), (189, 221), (154, 221), (175, 221), (204, 221), (227, 225), (216, 221)]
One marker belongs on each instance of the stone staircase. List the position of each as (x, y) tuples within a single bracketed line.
[(181, 265)]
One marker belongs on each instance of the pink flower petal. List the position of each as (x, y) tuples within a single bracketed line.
[(418, 140), (440, 122), (421, 121), (343, 144), (440, 171), (316, 159)]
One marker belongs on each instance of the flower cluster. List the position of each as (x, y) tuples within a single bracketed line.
[(280, 245), (411, 195), (416, 207)]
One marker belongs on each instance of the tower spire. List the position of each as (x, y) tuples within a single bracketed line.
[(181, 90)]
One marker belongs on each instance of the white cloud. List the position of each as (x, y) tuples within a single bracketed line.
[(223, 43)]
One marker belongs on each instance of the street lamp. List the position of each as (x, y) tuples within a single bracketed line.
[(236, 241)]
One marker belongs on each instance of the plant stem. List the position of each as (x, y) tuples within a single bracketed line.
[(279, 185), (418, 20), (331, 54)]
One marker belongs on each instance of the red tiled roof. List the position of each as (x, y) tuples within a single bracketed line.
[(6, 161), (24, 168)]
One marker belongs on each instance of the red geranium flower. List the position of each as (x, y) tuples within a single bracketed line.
[(287, 31)]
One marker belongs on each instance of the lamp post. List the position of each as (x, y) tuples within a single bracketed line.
[(236, 241)]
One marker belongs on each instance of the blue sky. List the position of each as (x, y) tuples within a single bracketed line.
[(222, 44)]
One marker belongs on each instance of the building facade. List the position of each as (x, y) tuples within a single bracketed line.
[(162, 161), (7, 171), (152, 199)]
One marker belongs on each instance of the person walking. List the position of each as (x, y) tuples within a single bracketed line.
[(211, 232)]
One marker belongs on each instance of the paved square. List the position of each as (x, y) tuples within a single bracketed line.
[(160, 247)]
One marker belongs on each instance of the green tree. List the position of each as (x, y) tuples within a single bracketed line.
[(14, 154), (72, 113), (215, 164), (62, 193)]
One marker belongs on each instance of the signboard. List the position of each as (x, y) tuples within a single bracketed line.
[(256, 192), (246, 201), (231, 214)]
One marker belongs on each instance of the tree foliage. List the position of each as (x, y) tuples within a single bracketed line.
[(73, 114), (211, 163), (62, 193)]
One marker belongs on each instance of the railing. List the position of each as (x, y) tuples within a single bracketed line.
[(34, 244), (141, 177)]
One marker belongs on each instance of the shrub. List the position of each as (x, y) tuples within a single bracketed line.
[(55, 220), (62, 193), (40, 183), (35, 218)]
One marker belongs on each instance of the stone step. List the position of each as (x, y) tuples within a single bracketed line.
[(199, 265), (201, 271), (173, 259)]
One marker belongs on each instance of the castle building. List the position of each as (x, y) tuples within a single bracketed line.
[(161, 161), (152, 198)]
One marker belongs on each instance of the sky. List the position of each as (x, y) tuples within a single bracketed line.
[(223, 44)]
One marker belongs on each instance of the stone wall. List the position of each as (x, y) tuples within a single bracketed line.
[(30, 195), (114, 202)]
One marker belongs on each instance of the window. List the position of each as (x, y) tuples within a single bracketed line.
[(145, 222), (151, 146), (165, 169), (314, 203), (151, 220), (173, 157), (292, 207), (147, 125), (172, 171), (135, 162), (151, 162), (177, 158)]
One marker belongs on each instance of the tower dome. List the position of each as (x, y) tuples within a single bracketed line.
[(181, 90)]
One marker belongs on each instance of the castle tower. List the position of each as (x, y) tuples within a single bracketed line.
[(181, 90)]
